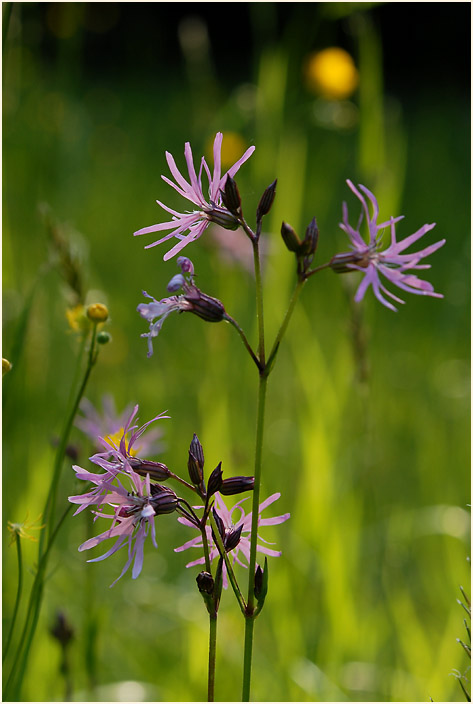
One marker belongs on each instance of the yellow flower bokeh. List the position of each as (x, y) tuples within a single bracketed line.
[(331, 73), (233, 147)]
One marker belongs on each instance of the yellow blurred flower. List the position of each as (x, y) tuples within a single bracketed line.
[(21, 529), (331, 73), (77, 318), (233, 146), (6, 366), (115, 438)]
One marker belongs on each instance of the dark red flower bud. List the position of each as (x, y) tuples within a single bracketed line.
[(232, 539), (215, 480), (236, 485), (290, 237), (156, 470), (231, 196), (266, 201), (195, 463)]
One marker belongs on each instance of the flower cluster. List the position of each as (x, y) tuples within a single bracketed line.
[(234, 520), (132, 499), (192, 300), (393, 262), (208, 209), (127, 494)]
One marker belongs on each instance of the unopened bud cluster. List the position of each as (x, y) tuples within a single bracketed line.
[(303, 249)]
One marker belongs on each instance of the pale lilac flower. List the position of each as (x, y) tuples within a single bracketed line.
[(392, 263), (232, 519), (132, 521), (192, 301), (110, 423), (118, 457), (208, 208)]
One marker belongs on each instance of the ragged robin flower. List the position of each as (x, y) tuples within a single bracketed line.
[(132, 519), (117, 457), (209, 208), (192, 300), (393, 263), (108, 423), (233, 519)]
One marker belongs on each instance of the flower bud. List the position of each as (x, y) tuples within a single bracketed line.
[(219, 522), (224, 218), (195, 463), (215, 480), (231, 196), (97, 312), (176, 283), (205, 307), (340, 263), (103, 337), (156, 470), (309, 244), (163, 500), (61, 630), (264, 206), (290, 237), (205, 582), (232, 538), (261, 583), (186, 265), (236, 485), (6, 366)]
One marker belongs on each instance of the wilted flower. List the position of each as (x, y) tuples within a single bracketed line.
[(110, 424), (210, 210), (233, 520), (392, 263), (193, 300)]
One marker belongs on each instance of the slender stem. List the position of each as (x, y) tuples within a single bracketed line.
[(317, 269), (244, 338), (259, 303), (230, 572), (249, 623), (212, 626), (32, 611), (183, 481), (284, 324), (49, 509), (212, 656), (18, 595)]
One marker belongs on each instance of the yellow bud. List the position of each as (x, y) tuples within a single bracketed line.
[(6, 366), (331, 73), (97, 312)]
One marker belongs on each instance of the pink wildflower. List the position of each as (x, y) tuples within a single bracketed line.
[(232, 522), (392, 262), (207, 209)]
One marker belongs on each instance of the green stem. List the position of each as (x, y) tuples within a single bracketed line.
[(244, 339), (263, 380), (284, 324), (18, 595), (230, 572), (32, 614), (212, 626), (259, 302), (212, 657), (50, 506), (34, 605), (249, 616)]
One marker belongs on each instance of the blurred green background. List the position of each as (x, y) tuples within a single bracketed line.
[(367, 433)]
